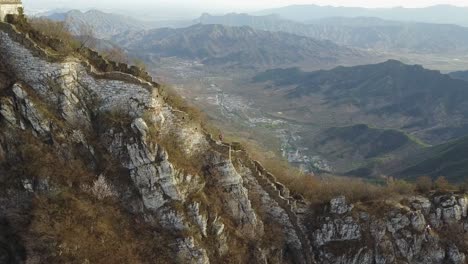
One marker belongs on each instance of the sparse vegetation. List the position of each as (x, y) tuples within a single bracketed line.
[(463, 187), (58, 34), (401, 187), (58, 41), (42, 162), (140, 64), (176, 101), (191, 164), (320, 190), (115, 54), (424, 184), (116, 117), (74, 221), (442, 184), (101, 189), (72, 228)]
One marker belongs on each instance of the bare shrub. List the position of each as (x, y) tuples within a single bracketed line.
[(354, 190), (319, 190), (68, 227), (140, 64), (57, 30), (401, 187), (175, 100), (463, 187), (442, 184), (424, 184), (101, 189), (115, 54), (87, 37)]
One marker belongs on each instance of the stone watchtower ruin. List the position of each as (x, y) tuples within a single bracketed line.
[(8, 7)]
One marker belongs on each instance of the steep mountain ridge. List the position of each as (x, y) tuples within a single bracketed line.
[(462, 75), (106, 24), (238, 46), (389, 94), (445, 14), (103, 24), (89, 159), (360, 32)]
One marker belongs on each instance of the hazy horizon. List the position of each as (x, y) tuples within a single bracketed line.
[(188, 9), (237, 5)]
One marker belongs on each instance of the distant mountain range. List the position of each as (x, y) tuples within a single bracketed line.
[(103, 24), (361, 32), (239, 46), (391, 94), (445, 14), (106, 25), (355, 106), (462, 75)]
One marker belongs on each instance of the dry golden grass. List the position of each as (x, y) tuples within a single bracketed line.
[(55, 29), (320, 190), (74, 228), (190, 164), (175, 100), (424, 184), (41, 161), (70, 225), (442, 184)]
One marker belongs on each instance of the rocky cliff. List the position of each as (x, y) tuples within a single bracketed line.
[(401, 230), (100, 168)]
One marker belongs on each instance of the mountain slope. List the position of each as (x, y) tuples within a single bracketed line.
[(462, 75), (449, 160), (238, 46), (89, 159), (103, 24), (362, 32), (389, 94), (349, 148)]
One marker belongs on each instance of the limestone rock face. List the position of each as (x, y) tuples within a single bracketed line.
[(339, 206), (337, 230), (401, 235)]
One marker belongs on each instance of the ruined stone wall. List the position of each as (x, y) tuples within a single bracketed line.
[(94, 62), (27, 63)]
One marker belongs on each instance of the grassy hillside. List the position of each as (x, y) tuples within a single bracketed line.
[(449, 160), (350, 147), (390, 94)]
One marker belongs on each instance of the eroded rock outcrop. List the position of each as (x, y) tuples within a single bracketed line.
[(409, 230)]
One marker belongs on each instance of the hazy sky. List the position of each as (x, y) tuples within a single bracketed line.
[(184, 9), (231, 4)]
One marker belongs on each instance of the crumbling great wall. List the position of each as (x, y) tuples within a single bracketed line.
[(293, 206)]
